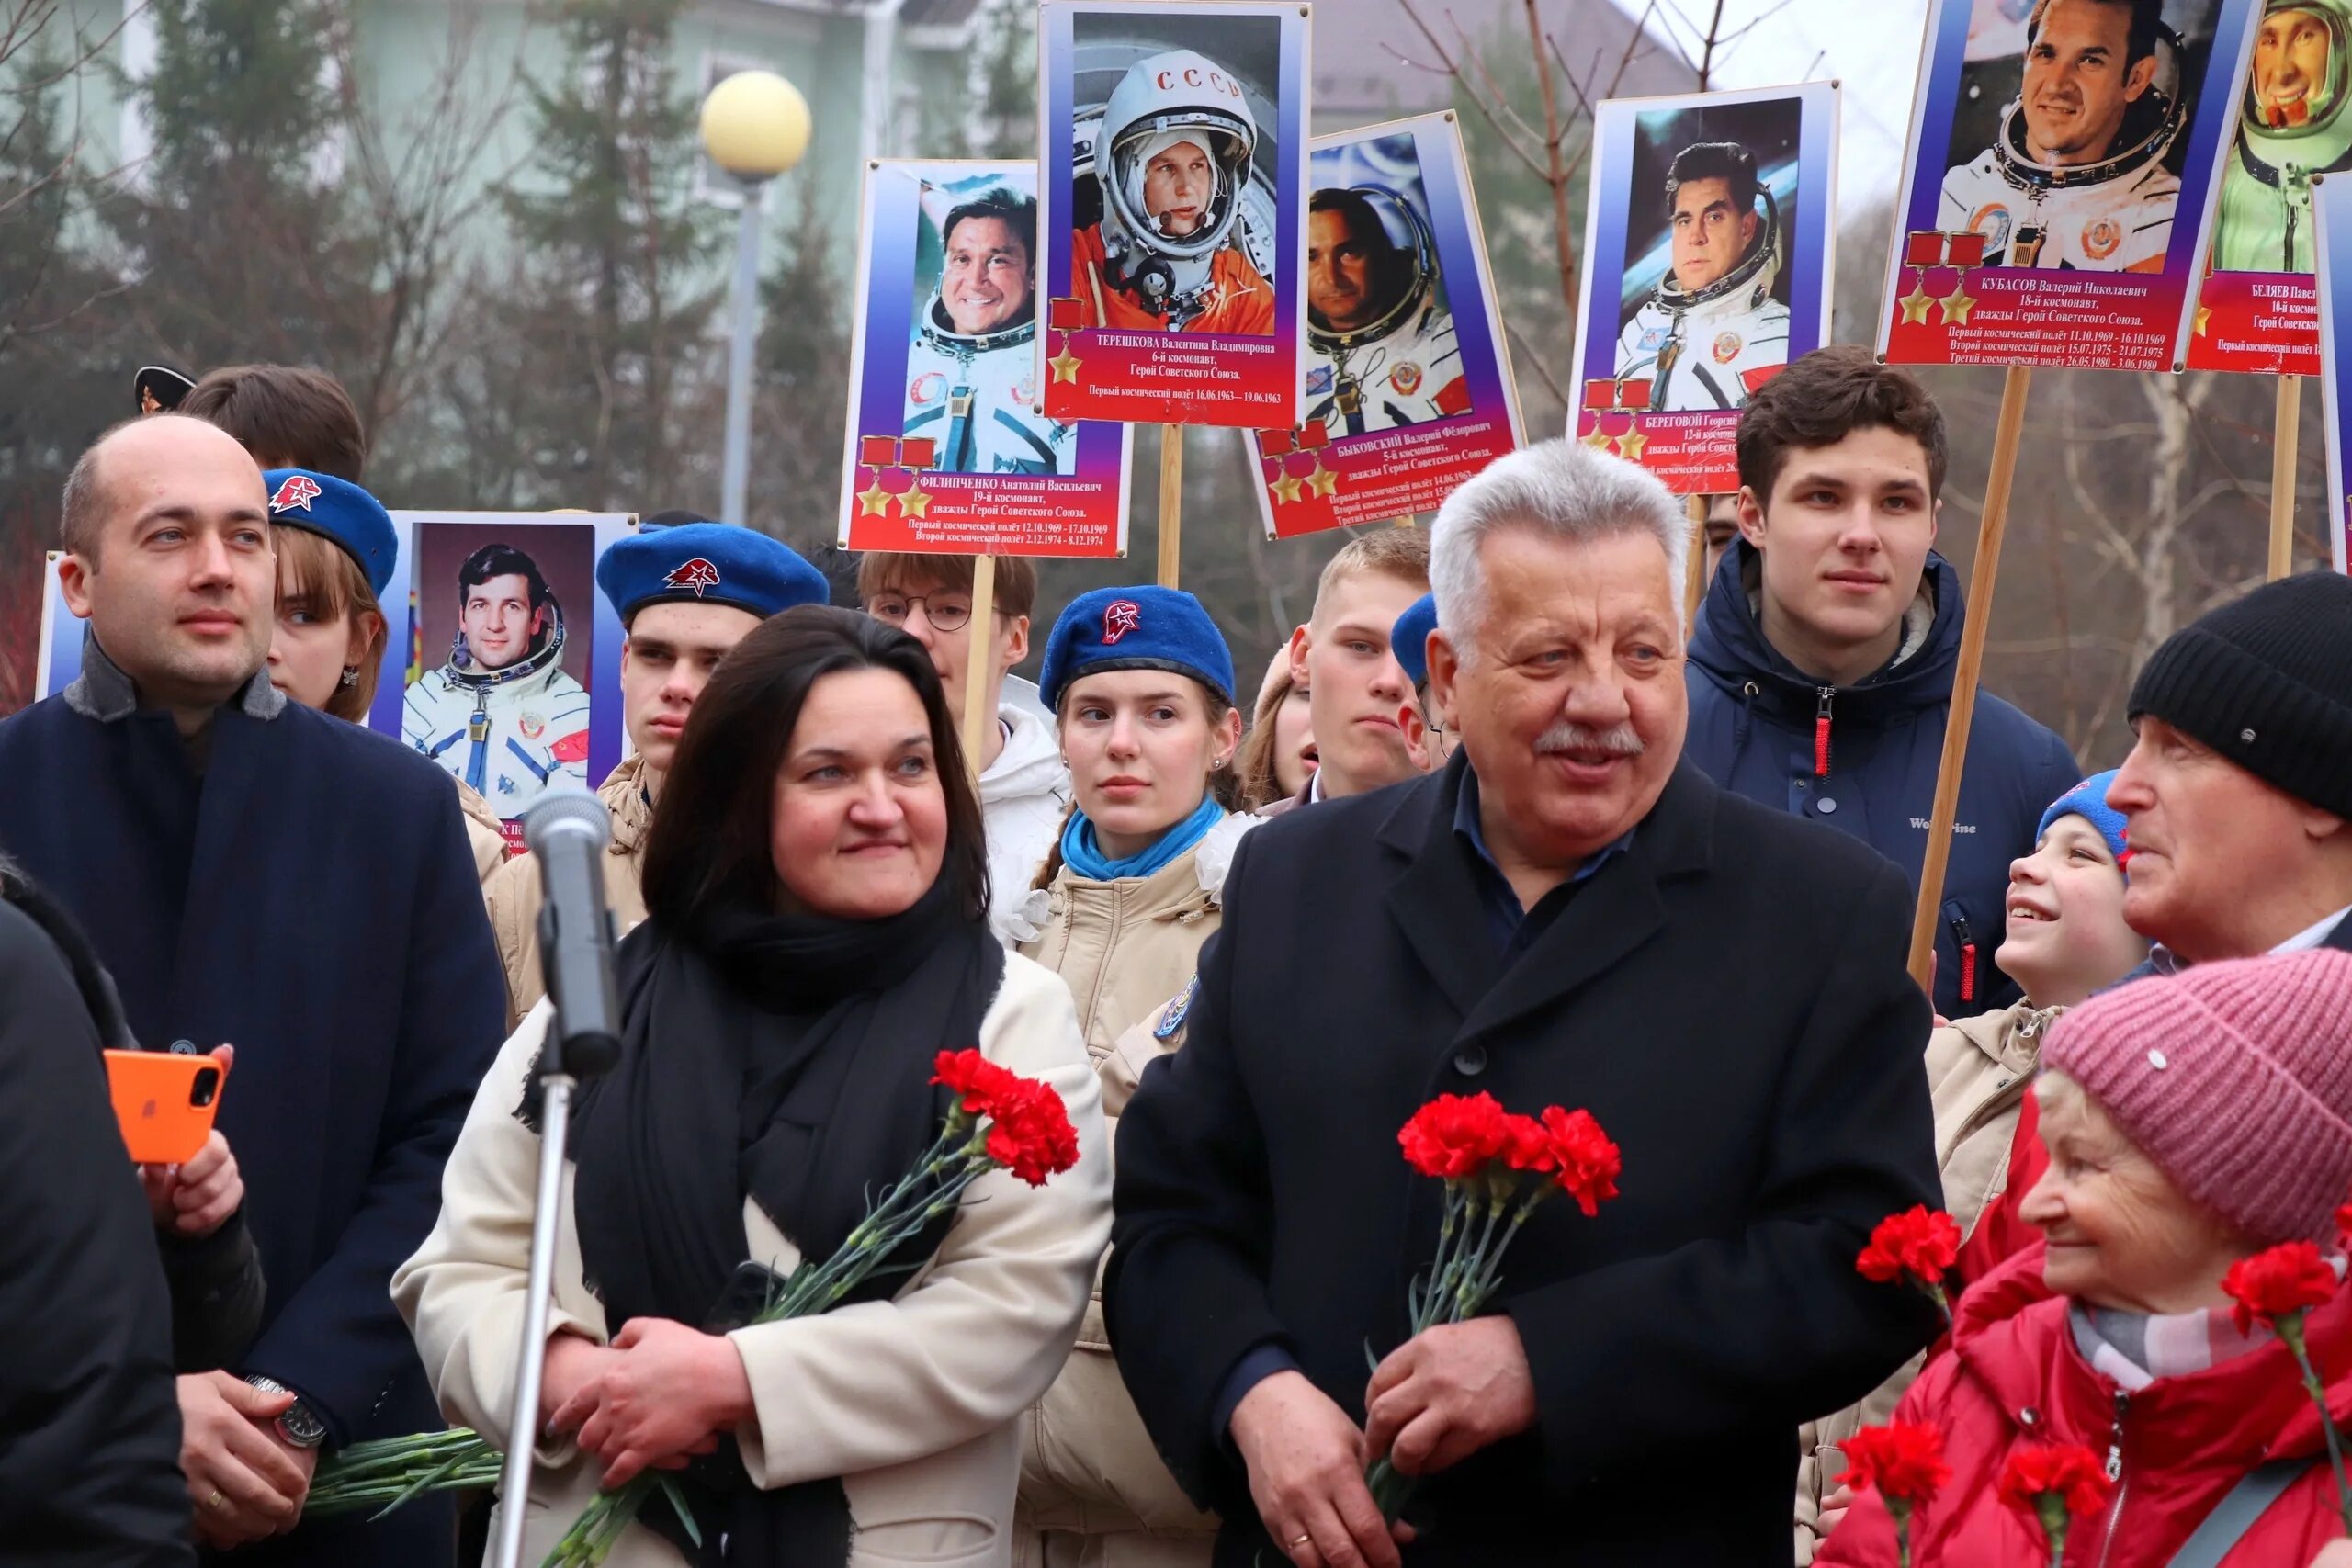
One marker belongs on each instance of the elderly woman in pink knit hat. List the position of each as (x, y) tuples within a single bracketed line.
[(2192, 1121)]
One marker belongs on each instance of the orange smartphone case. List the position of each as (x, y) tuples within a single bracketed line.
[(164, 1103)]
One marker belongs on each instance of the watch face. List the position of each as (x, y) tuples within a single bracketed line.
[(302, 1429)]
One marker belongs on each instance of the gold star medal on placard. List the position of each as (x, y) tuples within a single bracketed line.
[(1064, 316), (2204, 318), (1286, 488), (1630, 445), (1957, 304), (1915, 304), (914, 501), (1323, 481), (874, 501)]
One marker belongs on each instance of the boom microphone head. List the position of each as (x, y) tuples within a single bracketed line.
[(562, 813)]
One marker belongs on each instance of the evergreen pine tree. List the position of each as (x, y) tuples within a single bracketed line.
[(612, 373)]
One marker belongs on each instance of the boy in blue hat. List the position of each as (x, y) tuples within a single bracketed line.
[(2066, 940), (1425, 732), (685, 595)]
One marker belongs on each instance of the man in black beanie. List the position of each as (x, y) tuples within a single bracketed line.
[(2239, 793)]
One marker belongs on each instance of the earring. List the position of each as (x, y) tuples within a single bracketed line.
[(350, 675)]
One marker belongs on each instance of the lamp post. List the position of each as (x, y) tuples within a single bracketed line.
[(754, 126)]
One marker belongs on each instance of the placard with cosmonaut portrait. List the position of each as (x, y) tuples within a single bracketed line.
[(501, 662), (1173, 209), (2332, 219), (2259, 309), (1408, 385), (2061, 180), (1709, 241), (945, 451)]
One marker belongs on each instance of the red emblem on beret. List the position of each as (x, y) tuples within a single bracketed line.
[(295, 493), (1120, 616), (696, 574)]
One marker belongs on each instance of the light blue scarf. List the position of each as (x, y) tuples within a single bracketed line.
[(1085, 857)]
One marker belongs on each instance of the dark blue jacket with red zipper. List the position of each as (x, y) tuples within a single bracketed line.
[(1862, 759)]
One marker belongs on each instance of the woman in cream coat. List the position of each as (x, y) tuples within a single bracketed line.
[(1142, 683), (817, 933)]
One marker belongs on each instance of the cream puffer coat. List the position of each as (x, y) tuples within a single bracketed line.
[(485, 835), (1095, 1493), (914, 1403), (513, 894), (1979, 1071)]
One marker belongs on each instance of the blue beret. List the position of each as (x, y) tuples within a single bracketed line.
[(2088, 800), (343, 512), (708, 563), (1410, 638), (1136, 628)]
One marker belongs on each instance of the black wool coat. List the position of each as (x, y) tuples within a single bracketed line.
[(309, 899), (1728, 996)]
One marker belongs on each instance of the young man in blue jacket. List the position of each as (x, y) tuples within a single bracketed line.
[(1821, 672)]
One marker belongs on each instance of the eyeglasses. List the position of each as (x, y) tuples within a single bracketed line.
[(947, 615)]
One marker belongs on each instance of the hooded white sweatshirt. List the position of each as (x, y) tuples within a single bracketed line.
[(1024, 794)]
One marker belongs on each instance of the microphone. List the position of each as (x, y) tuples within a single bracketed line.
[(568, 833)]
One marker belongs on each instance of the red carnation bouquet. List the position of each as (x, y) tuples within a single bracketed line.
[(1000, 1121), (1905, 1464), (1918, 1247), (1498, 1168), (2281, 1287), (2053, 1482)]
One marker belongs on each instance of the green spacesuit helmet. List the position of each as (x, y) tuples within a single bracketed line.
[(2314, 110), (2263, 223)]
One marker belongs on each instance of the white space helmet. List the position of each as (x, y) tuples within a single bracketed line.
[(1163, 99)]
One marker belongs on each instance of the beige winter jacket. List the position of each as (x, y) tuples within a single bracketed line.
[(1978, 1072), (513, 893), (1095, 1493), (913, 1402), (485, 835)]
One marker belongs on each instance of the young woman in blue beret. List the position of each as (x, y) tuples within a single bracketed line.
[(1142, 682), (335, 549)]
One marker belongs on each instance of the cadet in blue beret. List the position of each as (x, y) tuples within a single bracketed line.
[(1409, 639), (686, 594), (1143, 684), (335, 550)]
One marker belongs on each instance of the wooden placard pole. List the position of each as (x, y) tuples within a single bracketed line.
[(1963, 714), (2282, 476), (977, 716), (1694, 567), (1171, 501)]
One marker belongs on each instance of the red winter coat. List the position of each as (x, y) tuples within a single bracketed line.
[(2015, 1376)]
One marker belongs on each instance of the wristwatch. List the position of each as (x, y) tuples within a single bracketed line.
[(299, 1425)]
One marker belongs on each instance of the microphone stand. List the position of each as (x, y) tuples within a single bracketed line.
[(566, 1057)]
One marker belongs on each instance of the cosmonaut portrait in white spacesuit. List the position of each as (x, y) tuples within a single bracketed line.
[(972, 366), (2078, 174), (502, 713), (1712, 332), (1381, 346)]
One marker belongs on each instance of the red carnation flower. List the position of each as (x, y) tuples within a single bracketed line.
[(1904, 1462), (1923, 1242), (2343, 1228), (1455, 1137), (2063, 1479), (2279, 1284), (1032, 1135), (979, 1084), (1584, 1161)]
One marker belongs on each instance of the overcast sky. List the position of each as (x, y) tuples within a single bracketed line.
[(1871, 47)]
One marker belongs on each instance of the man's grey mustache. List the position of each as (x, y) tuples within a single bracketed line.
[(1617, 740)]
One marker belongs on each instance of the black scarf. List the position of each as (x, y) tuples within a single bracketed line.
[(786, 1058)]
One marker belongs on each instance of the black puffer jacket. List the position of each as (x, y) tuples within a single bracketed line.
[(216, 1280)]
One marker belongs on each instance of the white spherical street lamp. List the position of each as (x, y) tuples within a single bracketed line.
[(755, 126)]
